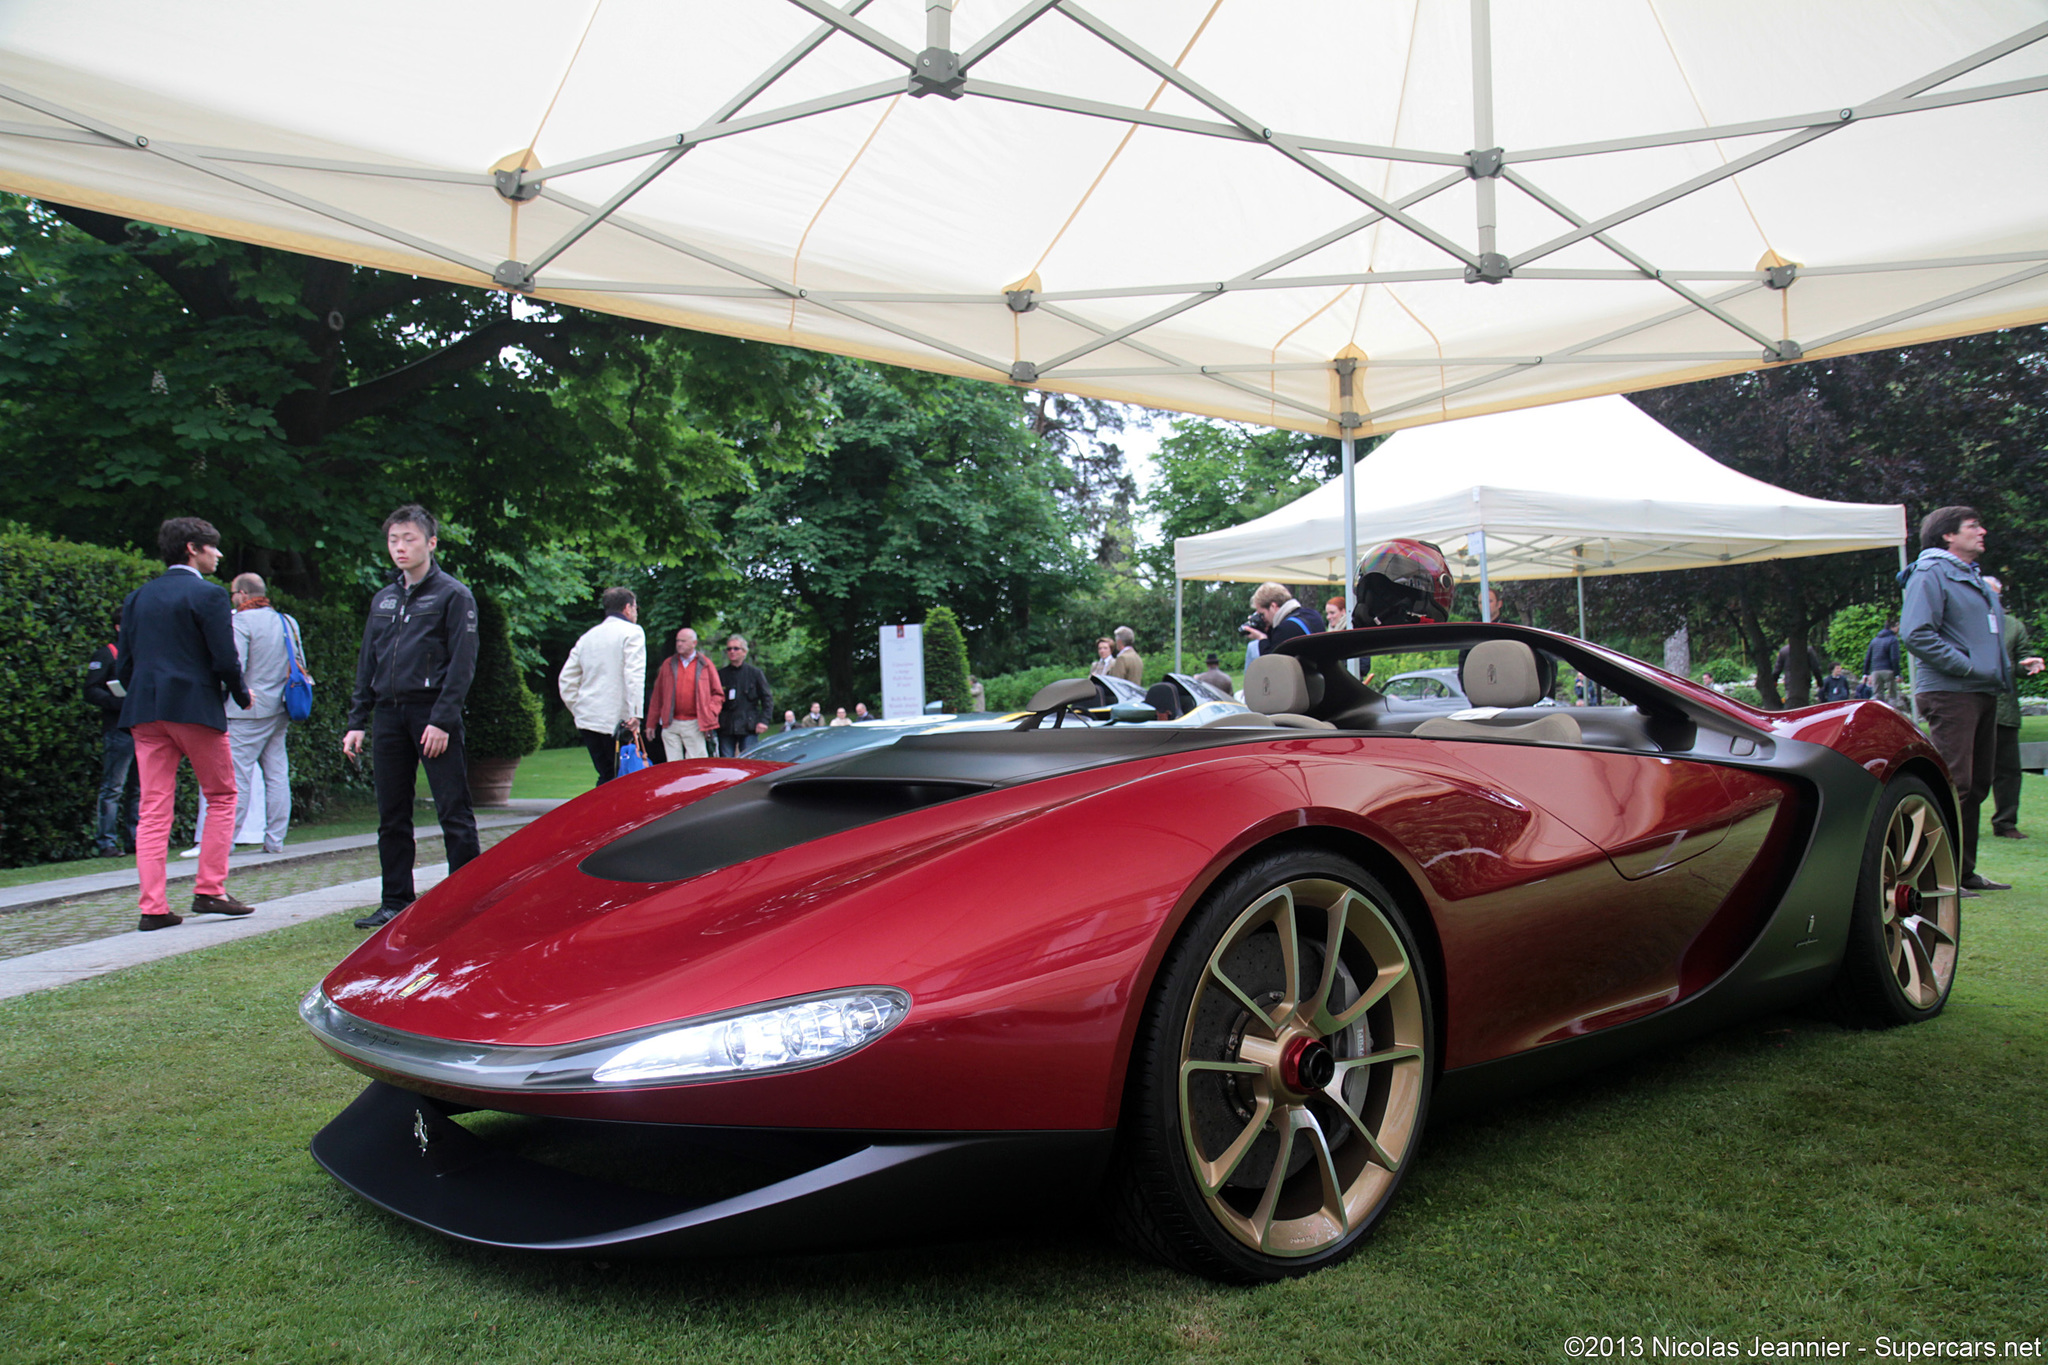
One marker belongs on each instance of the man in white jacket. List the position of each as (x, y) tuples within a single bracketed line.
[(605, 678)]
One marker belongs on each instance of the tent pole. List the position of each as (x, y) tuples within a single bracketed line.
[(1179, 585), (1912, 697), (1485, 584), (1350, 522), (1582, 604)]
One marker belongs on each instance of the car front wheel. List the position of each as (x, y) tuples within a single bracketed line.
[(1281, 1074)]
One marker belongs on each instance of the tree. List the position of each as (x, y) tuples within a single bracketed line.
[(926, 490), (1096, 486), (1961, 421), (945, 661), (294, 401), (1214, 475)]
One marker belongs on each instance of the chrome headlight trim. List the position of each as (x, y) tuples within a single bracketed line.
[(566, 1068)]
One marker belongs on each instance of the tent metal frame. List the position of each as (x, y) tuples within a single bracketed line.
[(940, 70)]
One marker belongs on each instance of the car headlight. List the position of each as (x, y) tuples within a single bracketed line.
[(779, 1035), (800, 1034)]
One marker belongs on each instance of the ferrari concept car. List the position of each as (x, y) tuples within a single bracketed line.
[(1209, 976)]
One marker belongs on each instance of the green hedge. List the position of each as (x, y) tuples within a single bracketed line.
[(58, 600), (333, 636), (1010, 691), (502, 718)]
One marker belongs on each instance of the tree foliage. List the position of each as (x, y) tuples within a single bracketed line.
[(1214, 475), (292, 401), (1961, 421), (926, 491)]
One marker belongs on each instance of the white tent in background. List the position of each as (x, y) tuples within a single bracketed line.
[(1572, 490)]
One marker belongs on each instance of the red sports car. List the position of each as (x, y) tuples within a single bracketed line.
[(1222, 970)]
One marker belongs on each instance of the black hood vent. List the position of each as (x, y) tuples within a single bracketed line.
[(782, 809)]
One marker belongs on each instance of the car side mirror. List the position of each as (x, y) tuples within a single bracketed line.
[(1131, 713)]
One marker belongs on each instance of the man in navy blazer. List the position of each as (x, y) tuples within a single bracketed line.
[(177, 664)]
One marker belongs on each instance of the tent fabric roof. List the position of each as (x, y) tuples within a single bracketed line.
[(1198, 207), (1595, 486)]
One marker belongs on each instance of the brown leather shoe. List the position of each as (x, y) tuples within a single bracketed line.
[(2010, 833), (1977, 881), (145, 923), (224, 904)]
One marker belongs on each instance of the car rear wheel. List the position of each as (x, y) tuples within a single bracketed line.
[(1281, 1074), (1900, 961)]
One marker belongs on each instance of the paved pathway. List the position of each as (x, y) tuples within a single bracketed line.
[(123, 874), (88, 927)]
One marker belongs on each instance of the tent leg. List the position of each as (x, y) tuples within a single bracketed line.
[(1582, 606), (1350, 523), (1179, 586), (1912, 697), (1485, 583)]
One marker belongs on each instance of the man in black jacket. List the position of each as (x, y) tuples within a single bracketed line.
[(748, 701), (176, 666), (118, 793), (1881, 663), (412, 676)]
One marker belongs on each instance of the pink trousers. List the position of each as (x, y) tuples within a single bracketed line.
[(159, 744)]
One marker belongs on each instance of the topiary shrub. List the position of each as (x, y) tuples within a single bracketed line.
[(945, 661), (503, 719), (58, 600)]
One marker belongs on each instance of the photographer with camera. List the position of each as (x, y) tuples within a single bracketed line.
[(1277, 617)]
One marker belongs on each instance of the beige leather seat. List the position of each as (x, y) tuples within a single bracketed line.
[(1276, 686), (1500, 675)]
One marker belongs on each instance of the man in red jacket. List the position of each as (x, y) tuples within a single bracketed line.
[(686, 700)]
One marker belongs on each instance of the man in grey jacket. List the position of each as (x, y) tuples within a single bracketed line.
[(256, 734), (1954, 627)]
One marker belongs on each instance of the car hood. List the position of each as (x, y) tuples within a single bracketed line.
[(668, 894)]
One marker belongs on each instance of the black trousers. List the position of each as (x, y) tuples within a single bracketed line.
[(1963, 727), (395, 760), (604, 754), (2005, 781)]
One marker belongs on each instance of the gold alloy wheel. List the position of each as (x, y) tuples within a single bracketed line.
[(1302, 1068), (1919, 907)]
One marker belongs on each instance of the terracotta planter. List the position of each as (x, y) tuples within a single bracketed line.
[(490, 780)]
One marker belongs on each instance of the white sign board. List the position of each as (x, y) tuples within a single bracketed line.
[(902, 671)]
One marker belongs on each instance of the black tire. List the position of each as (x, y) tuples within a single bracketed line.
[(1900, 961), (1342, 1063)]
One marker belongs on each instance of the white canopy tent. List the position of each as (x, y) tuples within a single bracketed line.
[(1573, 490), (1336, 216)]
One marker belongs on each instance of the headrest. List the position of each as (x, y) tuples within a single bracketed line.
[(1274, 684), (1501, 673)]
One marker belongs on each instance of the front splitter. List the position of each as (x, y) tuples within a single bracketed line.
[(405, 1153)]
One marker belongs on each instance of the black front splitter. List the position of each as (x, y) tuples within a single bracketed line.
[(405, 1153)]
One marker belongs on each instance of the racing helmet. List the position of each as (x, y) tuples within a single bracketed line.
[(1401, 581)]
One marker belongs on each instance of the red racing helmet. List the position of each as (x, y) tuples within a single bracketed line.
[(1400, 581)]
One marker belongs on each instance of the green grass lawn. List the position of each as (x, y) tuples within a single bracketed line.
[(1783, 1178)]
